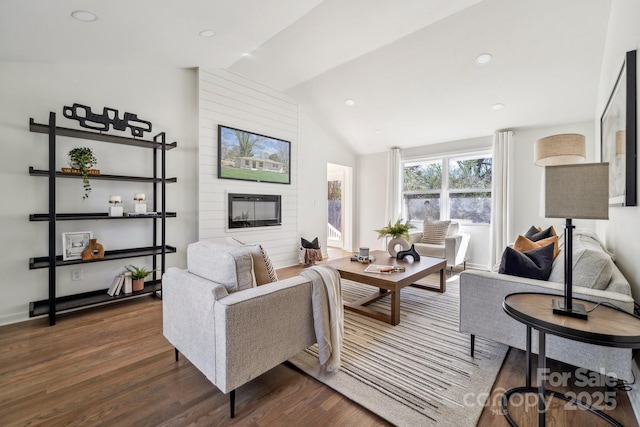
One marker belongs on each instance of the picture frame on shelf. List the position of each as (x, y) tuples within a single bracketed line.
[(250, 156), (74, 243), (618, 127)]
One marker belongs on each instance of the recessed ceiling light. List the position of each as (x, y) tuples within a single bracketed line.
[(207, 33), (84, 16), (350, 102), (497, 107), (483, 58), (377, 131)]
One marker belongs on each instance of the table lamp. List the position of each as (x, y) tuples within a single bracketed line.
[(575, 192)]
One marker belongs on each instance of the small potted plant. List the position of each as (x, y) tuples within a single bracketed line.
[(83, 159), (138, 275), (399, 233)]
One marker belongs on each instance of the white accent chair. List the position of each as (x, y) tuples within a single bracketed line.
[(454, 249), (229, 329)]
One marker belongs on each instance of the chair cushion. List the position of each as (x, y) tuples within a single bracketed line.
[(232, 267), (533, 264), (434, 232), (427, 249)]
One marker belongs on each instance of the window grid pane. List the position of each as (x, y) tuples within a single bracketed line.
[(468, 196)]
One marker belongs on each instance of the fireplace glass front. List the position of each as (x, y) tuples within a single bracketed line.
[(254, 210)]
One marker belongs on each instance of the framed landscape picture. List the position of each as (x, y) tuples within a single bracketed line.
[(250, 156), (618, 129), (74, 243)]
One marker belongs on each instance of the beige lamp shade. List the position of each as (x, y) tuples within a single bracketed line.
[(577, 191), (563, 149)]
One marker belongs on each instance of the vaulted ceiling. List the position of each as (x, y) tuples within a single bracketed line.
[(408, 65)]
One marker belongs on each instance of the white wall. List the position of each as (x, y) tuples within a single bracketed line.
[(622, 232), (317, 148), (371, 195), (166, 97), (227, 99), (528, 176)]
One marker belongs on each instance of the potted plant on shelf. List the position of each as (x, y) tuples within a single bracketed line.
[(83, 159), (399, 233), (138, 275)]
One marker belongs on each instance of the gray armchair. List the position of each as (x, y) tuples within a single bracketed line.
[(454, 248), (229, 329)]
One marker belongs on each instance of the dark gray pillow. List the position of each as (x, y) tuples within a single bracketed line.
[(309, 245), (534, 234), (533, 264)]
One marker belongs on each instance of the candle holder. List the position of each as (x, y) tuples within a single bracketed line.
[(115, 210), (139, 206)]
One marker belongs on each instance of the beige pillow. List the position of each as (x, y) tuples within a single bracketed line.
[(434, 232), (263, 270)]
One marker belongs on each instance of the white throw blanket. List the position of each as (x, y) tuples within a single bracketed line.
[(328, 314)]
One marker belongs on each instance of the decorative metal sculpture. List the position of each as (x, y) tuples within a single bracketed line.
[(411, 252), (109, 117)]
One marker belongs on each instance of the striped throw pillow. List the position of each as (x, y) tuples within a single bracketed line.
[(262, 266), (434, 232)]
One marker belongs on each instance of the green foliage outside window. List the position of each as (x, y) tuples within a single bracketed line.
[(475, 173), (423, 177)]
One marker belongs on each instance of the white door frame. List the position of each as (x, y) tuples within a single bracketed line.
[(345, 174)]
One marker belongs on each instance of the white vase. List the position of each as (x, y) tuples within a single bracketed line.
[(391, 247)]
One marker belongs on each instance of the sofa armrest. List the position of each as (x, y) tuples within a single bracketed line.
[(188, 316), (250, 322), (455, 248)]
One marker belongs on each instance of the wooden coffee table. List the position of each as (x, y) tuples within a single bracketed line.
[(388, 283)]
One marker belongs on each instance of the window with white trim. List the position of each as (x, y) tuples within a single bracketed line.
[(452, 187)]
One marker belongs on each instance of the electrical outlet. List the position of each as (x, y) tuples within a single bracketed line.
[(76, 274)]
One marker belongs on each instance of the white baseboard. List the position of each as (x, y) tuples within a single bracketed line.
[(13, 318), (634, 393)]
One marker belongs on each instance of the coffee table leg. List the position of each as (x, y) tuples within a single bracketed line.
[(395, 307), (443, 283)]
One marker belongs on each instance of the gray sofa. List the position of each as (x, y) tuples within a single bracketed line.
[(228, 328), (482, 293)]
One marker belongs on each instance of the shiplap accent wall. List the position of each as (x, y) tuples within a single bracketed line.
[(227, 99)]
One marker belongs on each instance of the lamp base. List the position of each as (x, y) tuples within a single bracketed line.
[(578, 311)]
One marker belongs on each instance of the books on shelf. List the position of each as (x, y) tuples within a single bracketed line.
[(116, 286), (127, 287)]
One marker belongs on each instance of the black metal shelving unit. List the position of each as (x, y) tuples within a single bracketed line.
[(54, 304)]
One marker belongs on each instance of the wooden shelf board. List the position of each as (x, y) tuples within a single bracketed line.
[(87, 299)]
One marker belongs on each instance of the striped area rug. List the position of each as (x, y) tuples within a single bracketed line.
[(418, 373)]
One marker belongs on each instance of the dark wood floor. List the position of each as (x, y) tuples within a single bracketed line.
[(111, 366)]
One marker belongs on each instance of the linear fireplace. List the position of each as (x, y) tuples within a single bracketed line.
[(254, 210)]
